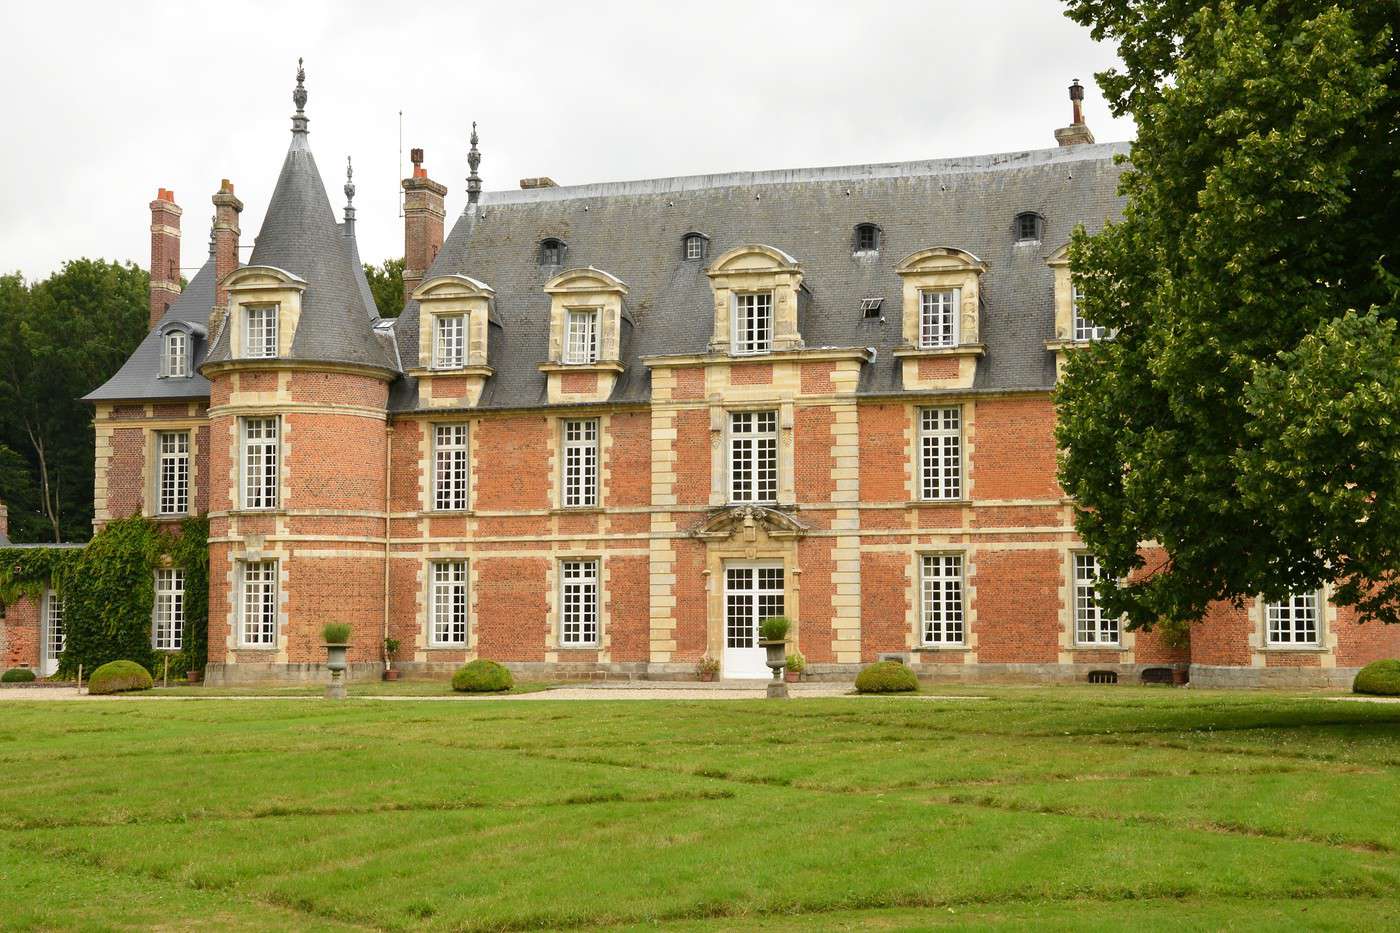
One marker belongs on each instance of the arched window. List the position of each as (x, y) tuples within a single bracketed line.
[(867, 238), (175, 354), (694, 246), (1028, 227), (552, 251)]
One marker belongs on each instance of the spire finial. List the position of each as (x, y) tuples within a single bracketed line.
[(299, 119), (212, 221), (473, 179), (349, 198)]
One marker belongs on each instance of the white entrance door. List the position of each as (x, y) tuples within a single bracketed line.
[(752, 593), (50, 634)]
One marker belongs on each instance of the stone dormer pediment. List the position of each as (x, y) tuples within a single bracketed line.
[(748, 521), (585, 334), (454, 314), (940, 304), (775, 278)]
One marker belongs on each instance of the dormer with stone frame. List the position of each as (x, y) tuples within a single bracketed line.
[(177, 340), (454, 314), (585, 335), (941, 301), (1071, 330), (745, 280), (265, 306)]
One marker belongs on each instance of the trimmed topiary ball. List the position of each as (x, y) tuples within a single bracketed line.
[(17, 675), (482, 676), (886, 677), (119, 677), (1379, 677)]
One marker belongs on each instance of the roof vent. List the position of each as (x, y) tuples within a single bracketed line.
[(1103, 677), (870, 308)]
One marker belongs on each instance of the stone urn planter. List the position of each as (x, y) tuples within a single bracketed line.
[(772, 636), (337, 643), (1180, 676)]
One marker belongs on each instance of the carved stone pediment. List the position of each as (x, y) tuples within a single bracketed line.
[(725, 523)]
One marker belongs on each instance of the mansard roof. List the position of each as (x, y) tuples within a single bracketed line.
[(634, 230), (139, 377)]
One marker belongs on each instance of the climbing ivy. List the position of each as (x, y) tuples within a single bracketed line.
[(108, 592)]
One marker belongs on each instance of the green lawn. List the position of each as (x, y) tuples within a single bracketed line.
[(1070, 808)]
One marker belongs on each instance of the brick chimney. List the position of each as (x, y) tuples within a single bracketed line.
[(423, 212), (227, 207), (165, 253), (1076, 134), (542, 181)]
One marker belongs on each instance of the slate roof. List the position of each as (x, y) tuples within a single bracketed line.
[(139, 377), (634, 230)]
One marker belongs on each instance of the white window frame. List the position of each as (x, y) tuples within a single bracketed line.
[(261, 462), (694, 247), (580, 478), (580, 336), (579, 626), (172, 472), (752, 323), (260, 331), (55, 634), (449, 623), (1295, 622), (168, 625), (753, 456), (1085, 330), (940, 318), (1092, 628), (449, 341), (940, 454), (175, 355), (259, 596), (942, 613), (451, 467)]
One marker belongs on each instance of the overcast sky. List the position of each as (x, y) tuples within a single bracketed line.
[(135, 96)]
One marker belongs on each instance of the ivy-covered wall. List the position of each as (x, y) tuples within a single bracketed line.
[(108, 592)]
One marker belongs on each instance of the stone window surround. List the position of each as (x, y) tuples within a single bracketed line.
[(429, 635), (262, 287), (176, 594), (1326, 628), (157, 473), (921, 558), (597, 562), (720, 421), (755, 268)]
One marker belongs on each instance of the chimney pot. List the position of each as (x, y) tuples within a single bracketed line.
[(423, 213), (415, 156)]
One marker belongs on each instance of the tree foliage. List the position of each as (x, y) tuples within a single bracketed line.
[(386, 284), (60, 339), (1243, 418)]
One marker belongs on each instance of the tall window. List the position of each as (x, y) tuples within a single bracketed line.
[(938, 317), (581, 337), (260, 453), (579, 615), (169, 632), (176, 353), (1293, 621), (54, 636), (1091, 626), (942, 599), (450, 467), (173, 448), (260, 335), (940, 453), (449, 341), (449, 622), (1084, 329), (260, 603), (580, 462), (753, 322), (753, 456)]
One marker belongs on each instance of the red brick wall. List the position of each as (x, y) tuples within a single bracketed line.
[(628, 598), (885, 456), (1018, 605), (1015, 449), (629, 460), (512, 608), (19, 634), (883, 582), (126, 494), (514, 472), (693, 457), (812, 459)]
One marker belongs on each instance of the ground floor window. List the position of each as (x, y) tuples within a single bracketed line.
[(942, 599), (170, 610), (54, 638), (1091, 625), (1294, 620), (449, 604), (260, 603), (579, 609)]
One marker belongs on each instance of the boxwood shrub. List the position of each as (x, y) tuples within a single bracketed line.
[(482, 676), (886, 677), (1379, 677), (17, 675), (119, 677)]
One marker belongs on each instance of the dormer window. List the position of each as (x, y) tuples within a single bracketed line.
[(449, 341), (753, 322), (260, 331), (867, 238), (1028, 227), (938, 317), (581, 336), (175, 355), (693, 246), (552, 252)]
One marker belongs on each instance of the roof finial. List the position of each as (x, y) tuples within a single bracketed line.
[(212, 221), (299, 119), (349, 198), (473, 179)]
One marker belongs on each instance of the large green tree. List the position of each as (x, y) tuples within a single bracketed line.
[(60, 339), (1244, 419), (386, 284)]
